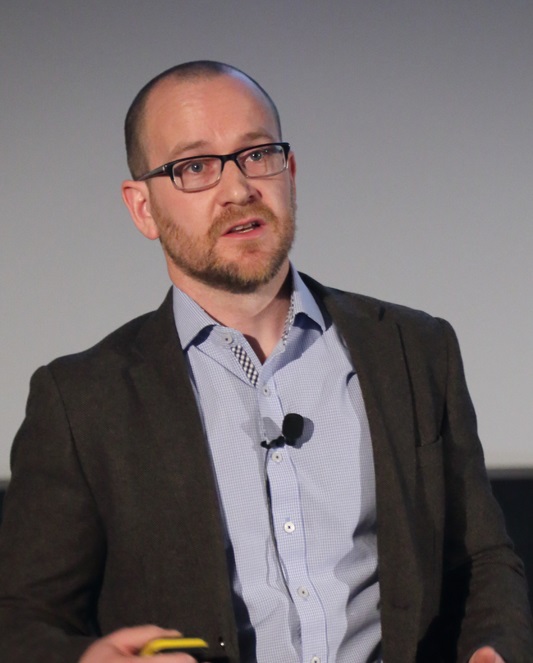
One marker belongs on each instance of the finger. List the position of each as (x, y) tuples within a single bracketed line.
[(486, 655), (131, 640), (172, 658)]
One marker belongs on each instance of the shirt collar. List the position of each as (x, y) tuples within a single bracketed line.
[(191, 319)]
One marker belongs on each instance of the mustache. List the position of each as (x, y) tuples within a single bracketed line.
[(232, 216)]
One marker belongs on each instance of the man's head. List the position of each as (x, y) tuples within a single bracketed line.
[(187, 71), (234, 235)]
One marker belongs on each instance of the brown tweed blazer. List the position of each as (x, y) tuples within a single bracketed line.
[(112, 518)]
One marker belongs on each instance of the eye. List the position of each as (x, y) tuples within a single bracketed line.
[(192, 167), (197, 168), (258, 155)]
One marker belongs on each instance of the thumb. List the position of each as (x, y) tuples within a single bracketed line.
[(486, 655), (130, 640)]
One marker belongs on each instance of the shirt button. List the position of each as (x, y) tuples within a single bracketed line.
[(266, 391), (277, 456), (289, 527), (315, 659), (303, 593), (228, 338)]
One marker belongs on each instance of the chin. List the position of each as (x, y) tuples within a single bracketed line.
[(241, 278)]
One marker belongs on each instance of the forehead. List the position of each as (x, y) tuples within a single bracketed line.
[(209, 112)]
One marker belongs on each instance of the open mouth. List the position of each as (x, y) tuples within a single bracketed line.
[(244, 228)]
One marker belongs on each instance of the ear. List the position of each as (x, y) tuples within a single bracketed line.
[(136, 197), (292, 170), (292, 165)]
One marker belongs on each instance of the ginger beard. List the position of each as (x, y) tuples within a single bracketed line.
[(253, 265)]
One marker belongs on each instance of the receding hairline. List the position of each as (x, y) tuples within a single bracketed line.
[(189, 71)]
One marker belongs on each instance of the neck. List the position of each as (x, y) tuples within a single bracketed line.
[(260, 315)]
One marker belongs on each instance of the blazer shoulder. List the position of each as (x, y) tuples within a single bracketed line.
[(121, 347), (372, 308)]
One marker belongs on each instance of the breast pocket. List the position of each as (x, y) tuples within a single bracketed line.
[(430, 454)]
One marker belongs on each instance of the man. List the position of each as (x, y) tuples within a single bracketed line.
[(157, 478)]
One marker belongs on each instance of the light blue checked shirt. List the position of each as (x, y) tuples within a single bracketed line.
[(304, 571)]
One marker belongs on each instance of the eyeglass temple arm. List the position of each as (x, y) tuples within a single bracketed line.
[(157, 172)]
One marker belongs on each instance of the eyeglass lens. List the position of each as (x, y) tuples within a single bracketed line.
[(204, 171)]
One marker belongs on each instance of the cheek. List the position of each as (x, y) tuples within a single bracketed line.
[(279, 198), (194, 210), (287, 203), (185, 215)]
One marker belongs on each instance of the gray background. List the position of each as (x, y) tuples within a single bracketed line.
[(412, 126)]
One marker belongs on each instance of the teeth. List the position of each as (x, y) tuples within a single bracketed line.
[(243, 228)]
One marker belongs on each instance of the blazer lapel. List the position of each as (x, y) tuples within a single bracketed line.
[(376, 348), (177, 473)]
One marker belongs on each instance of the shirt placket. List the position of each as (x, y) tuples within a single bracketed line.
[(288, 527)]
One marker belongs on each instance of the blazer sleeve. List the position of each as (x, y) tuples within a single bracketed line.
[(484, 594), (52, 544)]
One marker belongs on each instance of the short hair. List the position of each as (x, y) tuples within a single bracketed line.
[(196, 69)]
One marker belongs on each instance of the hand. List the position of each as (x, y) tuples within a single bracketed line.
[(486, 655), (124, 645)]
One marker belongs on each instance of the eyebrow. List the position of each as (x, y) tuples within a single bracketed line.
[(182, 147)]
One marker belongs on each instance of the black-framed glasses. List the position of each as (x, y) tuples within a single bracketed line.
[(203, 172)]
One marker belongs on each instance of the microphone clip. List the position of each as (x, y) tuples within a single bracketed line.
[(291, 431), (278, 442)]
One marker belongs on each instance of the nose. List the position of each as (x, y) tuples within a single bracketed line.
[(234, 187)]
